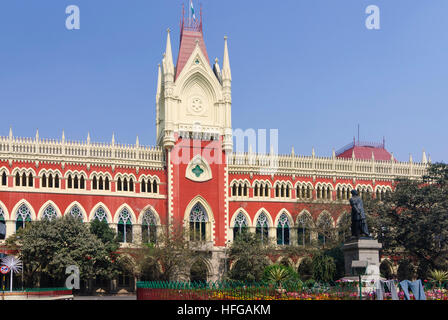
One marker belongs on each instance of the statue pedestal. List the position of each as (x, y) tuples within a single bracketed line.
[(361, 250)]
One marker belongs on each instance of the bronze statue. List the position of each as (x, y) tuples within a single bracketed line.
[(359, 223)]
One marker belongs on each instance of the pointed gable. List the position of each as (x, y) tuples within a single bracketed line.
[(190, 34)]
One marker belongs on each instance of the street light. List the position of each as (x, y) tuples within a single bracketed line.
[(359, 269)]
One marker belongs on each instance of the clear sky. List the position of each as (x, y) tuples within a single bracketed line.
[(309, 68)]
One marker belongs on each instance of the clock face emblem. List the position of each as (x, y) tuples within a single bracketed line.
[(196, 106)]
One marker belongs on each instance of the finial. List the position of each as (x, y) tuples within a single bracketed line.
[(63, 135), (37, 134), (10, 132), (168, 30), (113, 138), (216, 60), (313, 153), (410, 157), (424, 160), (292, 150), (373, 156), (88, 137), (137, 142), (333, 154)]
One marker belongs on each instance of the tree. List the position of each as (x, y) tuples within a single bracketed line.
[(412, 222), (250, 257), (324, 267), (170, 258), (279, 274), (49, 247)]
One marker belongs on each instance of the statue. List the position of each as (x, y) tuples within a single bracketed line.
[(359, 223)]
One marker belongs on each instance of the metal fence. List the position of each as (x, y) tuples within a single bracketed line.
[(296, 290)]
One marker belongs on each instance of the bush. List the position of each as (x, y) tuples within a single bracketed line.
[(324, 268), (305, 270)]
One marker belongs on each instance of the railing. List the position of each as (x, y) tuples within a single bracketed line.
[(37, 293), (323, 166), (293, 290), (159, 290), (70, 151)]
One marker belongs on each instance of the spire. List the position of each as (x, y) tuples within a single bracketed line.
[(333, 154), (292, 150), (226, 73), (88, 137), (392, 156), (168, 65), (63, 136), (217, 70), (190, 34), (159, 81), (410, 157), (373, 156), (137, 142), (37, 135), (10, 132), (113, 139), (424, 160)]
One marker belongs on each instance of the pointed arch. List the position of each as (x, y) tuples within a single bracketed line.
[(131, 212), (13, 214), (235, 214), (202, 229), (81, 210), (153, 210), (5, 211), (45, 206), (107, 213)]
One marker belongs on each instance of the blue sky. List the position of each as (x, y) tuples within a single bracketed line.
[(309, 68)]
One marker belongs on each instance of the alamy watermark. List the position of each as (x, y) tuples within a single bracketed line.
[(72, 281)]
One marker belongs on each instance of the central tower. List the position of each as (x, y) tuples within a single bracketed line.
[(194, 127), (193, 96)]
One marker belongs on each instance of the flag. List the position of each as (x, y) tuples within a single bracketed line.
[(192, 10)]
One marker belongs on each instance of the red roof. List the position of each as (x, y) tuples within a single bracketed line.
[(364, 151), (190, 34)]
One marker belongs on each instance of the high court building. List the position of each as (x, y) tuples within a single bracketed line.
[(192, 176)]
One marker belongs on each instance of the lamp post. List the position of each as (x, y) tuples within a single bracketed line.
[(359, 269)]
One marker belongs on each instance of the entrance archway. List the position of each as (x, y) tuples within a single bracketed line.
[(198, 272)]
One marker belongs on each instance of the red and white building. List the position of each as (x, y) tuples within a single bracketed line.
[(192, 176)]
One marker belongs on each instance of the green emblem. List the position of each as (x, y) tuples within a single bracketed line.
[(197, 171)]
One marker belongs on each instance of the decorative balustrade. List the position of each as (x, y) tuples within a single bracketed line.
[(323, 166), (81, 152)]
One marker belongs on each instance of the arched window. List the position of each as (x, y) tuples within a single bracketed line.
[(24, 179), (143, 186), (2, 224), (240, 225), (44, 180), (76, 212), (49, 213), (94, 183), (56, 181), (198, 223), (266, 190), (262, 228), (76, 182), (283, 230), (304, 229), (325, 228), (149, 227), (4, 179), (101, 183), (100, 215), (69, 181), (106, 184), (245, 190), (17, 179), (30, 180), (125, 184), (23, 216), (50, 181), (82, 183), (149, 186), (124, 226), (256, 190), (131, 185), (154, 186), (234, 190), (119, 186)]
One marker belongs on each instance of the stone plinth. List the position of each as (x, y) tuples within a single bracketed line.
[(359, 251)]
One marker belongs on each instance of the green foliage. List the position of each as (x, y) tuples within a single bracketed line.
[(305, 270), (338, 256), (413, 220), (324, 268), (105, 233), (250, 257), (439, 276), (49, 247), (279, 274), (406, 270)]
